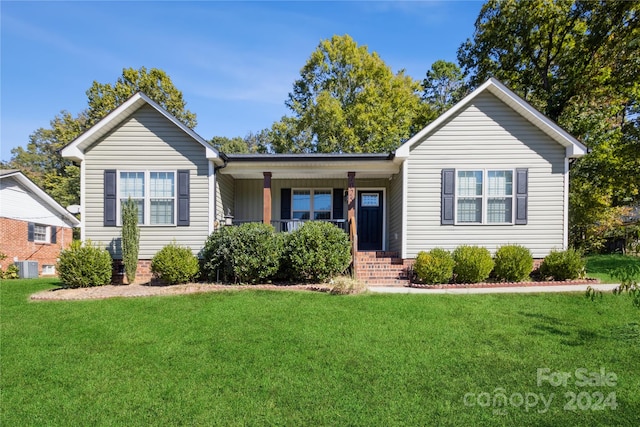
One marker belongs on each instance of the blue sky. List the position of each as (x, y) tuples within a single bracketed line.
[(235, 62)]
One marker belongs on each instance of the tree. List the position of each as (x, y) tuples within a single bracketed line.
[(252, 143), (130, 239), (552, 51), (579, 63), (348, 100), (235, 145), (155, 83), (444, 85), (41, 160)]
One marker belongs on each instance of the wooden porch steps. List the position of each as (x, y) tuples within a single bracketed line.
[(382, 268)]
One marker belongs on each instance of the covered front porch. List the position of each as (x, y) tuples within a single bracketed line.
[(352, 191)]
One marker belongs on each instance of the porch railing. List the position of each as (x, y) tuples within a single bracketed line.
[(286, 225)]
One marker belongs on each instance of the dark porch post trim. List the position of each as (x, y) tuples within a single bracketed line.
[(266, 198)]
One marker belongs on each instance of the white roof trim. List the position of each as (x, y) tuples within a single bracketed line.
[(40, 193), (75, 149), (574, 148)]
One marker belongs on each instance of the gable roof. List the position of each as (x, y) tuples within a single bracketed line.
[(40, 193), (75, 149), (574, 148)]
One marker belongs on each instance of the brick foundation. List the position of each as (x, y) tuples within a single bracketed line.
[(143, 273), (14, 244)]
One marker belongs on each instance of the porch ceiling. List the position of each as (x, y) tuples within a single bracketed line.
[(310, 166)]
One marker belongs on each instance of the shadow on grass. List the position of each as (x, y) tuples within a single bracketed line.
[(605, 264)]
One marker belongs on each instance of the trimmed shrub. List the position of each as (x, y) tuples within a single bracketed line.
[(513, 263), (435, 266), (563, 265), (317, 251), (83, 266), (473, 264), (248, 253), (175, 264)]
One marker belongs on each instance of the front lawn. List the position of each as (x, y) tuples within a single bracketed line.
[(302, 358), (602, 266)]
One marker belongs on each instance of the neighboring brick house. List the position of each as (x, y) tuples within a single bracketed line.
[(33, 226)]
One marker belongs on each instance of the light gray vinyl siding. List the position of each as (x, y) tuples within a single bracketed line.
[(147, 141), (394, 209), (248, 200), (225, 196), (486, 135)]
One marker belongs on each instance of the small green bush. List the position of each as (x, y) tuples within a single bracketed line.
[(12, 272), (473, 264), (317, 251), (435, 266), (83, 266), (513, 263), (248, 253), (563, 265), (175, 264)]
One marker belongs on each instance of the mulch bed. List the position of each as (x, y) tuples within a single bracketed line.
[(126, 291), (146, 290)]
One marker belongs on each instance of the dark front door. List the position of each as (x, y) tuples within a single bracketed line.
[(370, 217)]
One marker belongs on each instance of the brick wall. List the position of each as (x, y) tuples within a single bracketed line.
[(143, 273), (14, 244)]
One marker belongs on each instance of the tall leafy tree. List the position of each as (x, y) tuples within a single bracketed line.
[(551, 51), (348, 100), (444, 85), (41, 161), (154, 82)]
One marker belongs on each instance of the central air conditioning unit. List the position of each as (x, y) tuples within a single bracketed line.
[(27, 269)]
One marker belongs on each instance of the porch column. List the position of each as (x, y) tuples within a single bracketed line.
[(351, 197), (266, 198)]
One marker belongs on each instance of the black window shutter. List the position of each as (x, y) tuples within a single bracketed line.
[(522, 195), (285, 203), (54, 231), (31, 229), (110, 198), (338, 204), (448, 193), (183, 198)]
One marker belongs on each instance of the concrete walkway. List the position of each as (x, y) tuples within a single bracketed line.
[(496, 290)]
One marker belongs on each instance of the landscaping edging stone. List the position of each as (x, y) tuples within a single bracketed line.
[(505, 284)]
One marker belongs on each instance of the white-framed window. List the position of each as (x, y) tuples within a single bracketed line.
[(41, 233), (48, 270), (311, 204), (484, 196), (153, 191)]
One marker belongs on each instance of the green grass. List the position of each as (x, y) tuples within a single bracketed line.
[(293, 358), (602, 266)]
